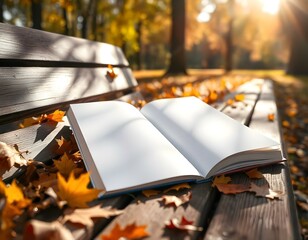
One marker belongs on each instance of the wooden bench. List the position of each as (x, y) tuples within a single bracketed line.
[(41, 72)]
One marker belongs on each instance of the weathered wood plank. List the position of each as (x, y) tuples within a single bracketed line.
[(23, 43), (23, 89), (245, 216)]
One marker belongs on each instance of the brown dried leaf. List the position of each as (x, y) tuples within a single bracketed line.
[(65, 165), (177, 201), (254, 174), (184, 224), (131, 231), (39, 230), (111, 73), (64, 146), (84, 216), (149, 193), (10, 156), (228, 188), (178, 187), (264, 191), (222, 179), (46, 180)]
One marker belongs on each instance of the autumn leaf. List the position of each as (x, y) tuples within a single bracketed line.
[(56, 116), (271, 117), (254, 173), (31, 121), (184, 224), (14, 195), (228, 188), (177, 201), (111, 72), (239, 97), (10, 156), (75, 192), (264, 191), (37, 230), (84, 216), (131, 231), (149, 193), (65, 165), (286, 124), (178, 187), (221, 179), (64, 146), (46, 180)]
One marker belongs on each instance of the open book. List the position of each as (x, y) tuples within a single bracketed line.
[(168, 141)]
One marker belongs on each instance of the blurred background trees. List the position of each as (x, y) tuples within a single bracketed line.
[(229, 34)]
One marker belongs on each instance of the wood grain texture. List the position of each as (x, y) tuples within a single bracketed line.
[(23, 89), (23, 43), (245, 216)]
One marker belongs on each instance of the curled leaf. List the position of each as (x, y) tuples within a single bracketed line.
[(184, 224), (177, 201), (254, 173), (228, 188), (265, 191), (178, 187)]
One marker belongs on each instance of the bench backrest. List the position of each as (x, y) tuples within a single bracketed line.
[(42, 71)]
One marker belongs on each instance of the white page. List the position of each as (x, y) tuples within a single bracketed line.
[(201, 133), (126, 148)]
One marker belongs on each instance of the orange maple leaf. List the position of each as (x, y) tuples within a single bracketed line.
[(65, 165), (239, 97), (178, 187), (75, 192), (56, 116), (15, 195), (184, 224), (228, 188), (131, 231), (221, 179), (271, 117), (254, 173)]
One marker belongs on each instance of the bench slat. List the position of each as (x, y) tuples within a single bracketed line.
[(25, 89), (21, 43), (244, 215)]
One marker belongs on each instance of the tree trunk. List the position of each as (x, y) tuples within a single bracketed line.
[(296, 22), (229, 38), (139, 52), (66, 29), (178, 59), (36, 10)]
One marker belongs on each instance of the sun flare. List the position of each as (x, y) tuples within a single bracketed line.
[(270, 6)]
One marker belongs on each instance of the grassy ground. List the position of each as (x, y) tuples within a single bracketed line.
[(292, 101)]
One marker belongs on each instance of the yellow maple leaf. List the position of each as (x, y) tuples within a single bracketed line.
[(15, 195), (131, 231), (56, 116), (30, 121), (150, 192), (221, 179), (178, 187), (239, 97), (75, 192), (65, 165)]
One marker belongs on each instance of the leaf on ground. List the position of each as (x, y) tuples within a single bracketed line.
[(37, 230), (15, 195), (177, 201), (254, 174), (222, 179), (228, 188), (75, 192), (239, 97), (65, 165), (111, 73), (271, 117), (56, 116), (84, 216), (150, 192), (46, 180), (64, 146), (31, 121), (184, 224), (10, 156), (264, 191), (131, 231), (178, 187), (7, 213)]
